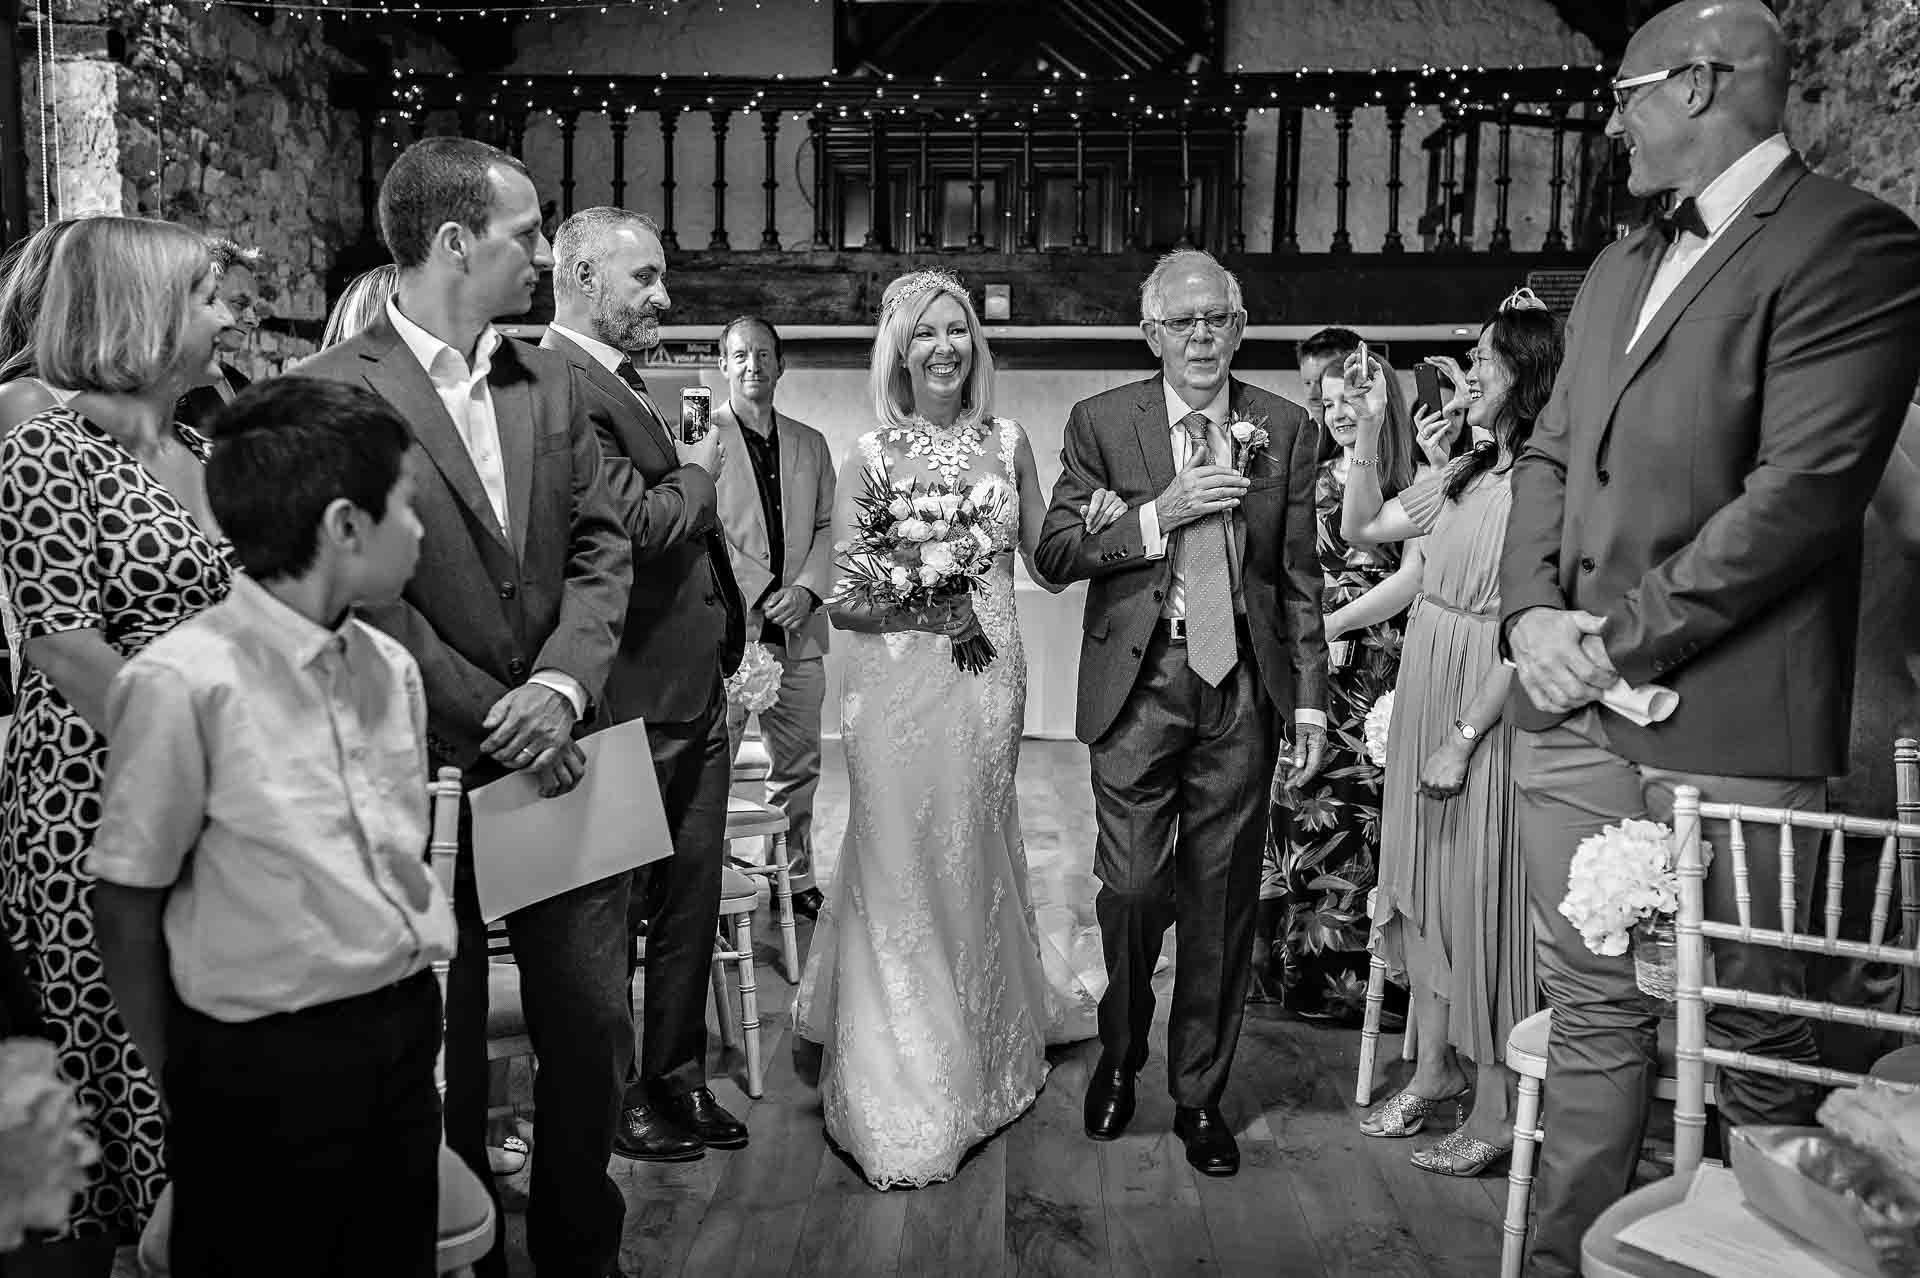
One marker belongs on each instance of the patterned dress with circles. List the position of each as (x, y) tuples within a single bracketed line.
[(89, 539)]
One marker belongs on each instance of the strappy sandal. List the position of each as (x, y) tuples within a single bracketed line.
[(1404, 1114), (1459, 1154), (508, 1157)]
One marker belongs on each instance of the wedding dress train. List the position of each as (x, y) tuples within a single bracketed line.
[(926, 985)]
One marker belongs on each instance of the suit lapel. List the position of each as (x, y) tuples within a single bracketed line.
[(795, 494), (513, 419), (611, 386), (740, 493), (1745, 224), (1155, 433), (396, 376)]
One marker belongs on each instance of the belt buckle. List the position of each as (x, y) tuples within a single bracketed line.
[(1177, 629)]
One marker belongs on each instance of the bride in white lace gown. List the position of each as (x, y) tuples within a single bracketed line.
[(926, 985)]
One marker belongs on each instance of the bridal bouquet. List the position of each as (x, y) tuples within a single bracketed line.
[(755, 686), (1379, 718), (44, 1147), (918, 544)]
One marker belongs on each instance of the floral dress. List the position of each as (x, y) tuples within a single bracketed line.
[(1322, 843)]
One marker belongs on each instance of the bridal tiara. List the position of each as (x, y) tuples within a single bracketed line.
[(922, 282), (1522, 299)]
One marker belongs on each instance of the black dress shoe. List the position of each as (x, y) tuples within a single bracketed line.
[(648, 1134), (807, 904), (1209, 1141), (698, 1112), (1109, 1103)]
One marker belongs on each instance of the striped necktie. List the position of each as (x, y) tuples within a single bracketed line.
[(1212, 648)]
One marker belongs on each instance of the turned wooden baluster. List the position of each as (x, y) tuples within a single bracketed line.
[(1292, 123), (1186, 240), (1396, 127), (617, 120), (879, 237), (1448, 184), (1237, 237), (822, 208), (1556, 237), (569, 121), (1029, 241), (923, 189), (718, 242), (669, 125), (1343, 132), (1080, 241), (1129, 192), (976, 183), (1502, 241), (517, 134), (770, 133)]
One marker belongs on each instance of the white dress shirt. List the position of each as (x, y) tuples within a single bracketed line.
[(468, 399), (1157, 542), (1722, 200)]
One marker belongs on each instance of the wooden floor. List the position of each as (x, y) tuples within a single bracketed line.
[(1313, 1197)]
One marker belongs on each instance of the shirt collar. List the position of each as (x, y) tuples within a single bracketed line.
[(431, 351), (608, 357), (1727, 194), (1215, 409), (300, 638)]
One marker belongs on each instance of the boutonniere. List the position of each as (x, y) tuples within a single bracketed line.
[(1249, 439)]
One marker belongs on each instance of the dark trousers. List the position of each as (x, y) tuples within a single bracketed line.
[(571, 951), (307, 1143), (679, 898), (1180, 798), (1602, 1055)]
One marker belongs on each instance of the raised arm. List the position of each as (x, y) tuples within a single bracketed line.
[(1366, 517)]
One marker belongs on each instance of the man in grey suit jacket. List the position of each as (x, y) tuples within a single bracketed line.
[(514, 616), (1689, 513), (776, 508), (684, 634), (1202, 635)]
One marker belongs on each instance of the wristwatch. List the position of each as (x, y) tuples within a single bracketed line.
[(1466, 730)]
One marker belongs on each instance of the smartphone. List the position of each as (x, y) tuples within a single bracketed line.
[(1430, 388)]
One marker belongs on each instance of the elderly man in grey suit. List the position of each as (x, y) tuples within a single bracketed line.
[(776, 507), (514, 615), (1688, 512), (1202, 636)]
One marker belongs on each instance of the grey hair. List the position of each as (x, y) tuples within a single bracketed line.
[(586, 237), (1151, 307)]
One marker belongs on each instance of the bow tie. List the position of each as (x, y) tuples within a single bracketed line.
[(1684, 216)]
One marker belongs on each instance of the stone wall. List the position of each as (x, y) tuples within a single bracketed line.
[(219, 121)]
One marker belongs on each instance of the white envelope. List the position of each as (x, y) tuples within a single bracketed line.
[(527, 849)]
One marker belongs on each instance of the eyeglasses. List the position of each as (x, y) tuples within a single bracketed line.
[(1184, 323), (1623, 90)]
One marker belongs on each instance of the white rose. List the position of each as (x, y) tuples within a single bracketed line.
[(899, 508), (900, 578), (940, 529), (916, 530), (929, 576), (949, 505), (937, 554), (1242, 432)]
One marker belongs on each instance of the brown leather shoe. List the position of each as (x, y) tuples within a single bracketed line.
[(651, 1136), (1109, 1103), (698, 1112), (1209, 1141)]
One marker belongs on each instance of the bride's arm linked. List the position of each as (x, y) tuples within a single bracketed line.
[(847, 614), (1033, 513)]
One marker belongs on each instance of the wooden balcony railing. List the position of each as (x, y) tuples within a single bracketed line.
[(1289, 173)]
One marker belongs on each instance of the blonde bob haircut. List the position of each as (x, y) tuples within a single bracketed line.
[(119, 295), (904, 302)]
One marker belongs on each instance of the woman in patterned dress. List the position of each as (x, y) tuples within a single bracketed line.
[(106, 542)]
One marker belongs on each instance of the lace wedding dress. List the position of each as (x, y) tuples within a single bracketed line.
[(926, 985)]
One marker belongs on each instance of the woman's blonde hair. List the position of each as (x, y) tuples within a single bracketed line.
[(23, 279), (361, 304), (118, 299), (904, 302)]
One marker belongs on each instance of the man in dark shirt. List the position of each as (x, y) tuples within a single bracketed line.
[(776, 507)]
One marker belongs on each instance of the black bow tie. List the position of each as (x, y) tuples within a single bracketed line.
[(1684, 216)]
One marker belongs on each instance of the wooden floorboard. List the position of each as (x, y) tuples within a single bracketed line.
[(1313, 1198)]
